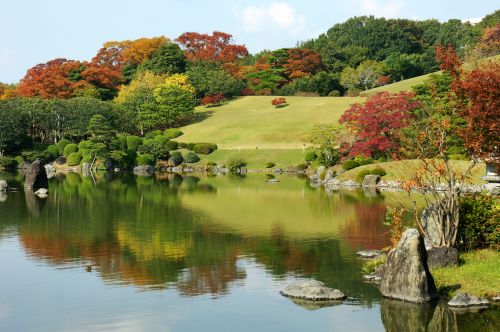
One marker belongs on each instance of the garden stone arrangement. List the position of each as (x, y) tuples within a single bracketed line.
[(312, 290)]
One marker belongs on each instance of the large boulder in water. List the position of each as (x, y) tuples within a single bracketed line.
[(144, 170), (312, 290), (36, 177), (406, 275)]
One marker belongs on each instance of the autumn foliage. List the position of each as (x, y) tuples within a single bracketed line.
[(50, 80), (376, 123), (478, 96), (279, 102), (139, 50), (212, 100), (217, 47), (302, 62)]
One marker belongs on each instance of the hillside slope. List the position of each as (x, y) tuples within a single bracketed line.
[(252, 122)]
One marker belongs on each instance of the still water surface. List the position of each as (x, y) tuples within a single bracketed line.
[(197, 254)]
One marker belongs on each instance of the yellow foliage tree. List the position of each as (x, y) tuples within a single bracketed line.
[(179, 81), (138, 50)]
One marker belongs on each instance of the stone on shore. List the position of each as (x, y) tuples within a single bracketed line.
[(406, 275), (465, 300), (36, 177), (369, 254), (144, 170), (312, 290), (442, 257), (371, 180)]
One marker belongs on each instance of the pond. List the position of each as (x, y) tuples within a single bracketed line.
[(172, 253)]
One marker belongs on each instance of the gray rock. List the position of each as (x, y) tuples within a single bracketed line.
[(405, 275), (496, 298), (320, 170), (49, 168), (312, 290), (36, 177), (464, 300), (333, 184), (3, 186), (442, 257), (85, 167), (350, 183), (329, 176), (369, 254), (371, 180), (144, 170), (430, 223), (61, 160), (41, 191), (273, 180)]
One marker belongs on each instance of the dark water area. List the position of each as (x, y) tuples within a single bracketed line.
[(172, 253)]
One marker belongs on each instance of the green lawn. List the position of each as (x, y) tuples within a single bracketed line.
[(405, 85), (405, 169), (478, 274), (248, 123)]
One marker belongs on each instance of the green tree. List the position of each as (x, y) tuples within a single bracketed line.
[(364, 76), (209, 78), (13, 127), (167, 59), (175, 100)]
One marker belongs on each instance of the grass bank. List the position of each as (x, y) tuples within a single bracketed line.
[(478, 273), (403, 170)]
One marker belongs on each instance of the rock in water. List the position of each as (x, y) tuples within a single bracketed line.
[(369, 254), (406, 275), (465, 300), (36, 177), (312, 290), (442, 257), (3, 186)]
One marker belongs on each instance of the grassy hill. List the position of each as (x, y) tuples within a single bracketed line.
[(405, 85), (252, 122)]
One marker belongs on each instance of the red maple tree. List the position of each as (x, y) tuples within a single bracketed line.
[(50, 80), (104, 71), (478, 96), (217, 47), (212, 100), (376, 123)]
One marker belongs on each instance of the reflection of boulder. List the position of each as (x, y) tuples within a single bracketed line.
[(3, 186), (405, 275), (443, 319), (36, 177), (34, 203), (400, 316), (3, 196), (144, 170), (315, 305)]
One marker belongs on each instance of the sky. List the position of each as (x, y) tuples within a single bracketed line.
[(36, 31)]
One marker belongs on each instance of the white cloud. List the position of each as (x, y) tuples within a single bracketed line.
[(381, 8), (275, 15)]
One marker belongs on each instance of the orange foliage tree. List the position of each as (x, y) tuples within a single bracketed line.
[(50, 79), (104, 72), (138, 50), (217, 47), (302, 62)]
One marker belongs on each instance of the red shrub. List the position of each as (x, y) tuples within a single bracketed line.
[(213, 100), (279, 102)]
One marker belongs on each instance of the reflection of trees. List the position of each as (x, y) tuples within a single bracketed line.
[(403, 316), (136, 230)]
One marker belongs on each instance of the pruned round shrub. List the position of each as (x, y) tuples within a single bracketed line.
[(84, 145), (191, 157), (171, 145), (74, 158), (172, 133), (365, 162), (376, 171), (153, 134), (479, 226), (190, 146), (175, 158), (211, 164), (270, 164), (61, 145), (86, 159), (301, 167), (145, 159), (85, 152), (122, 140), (334, 93), (53, 151), (133, 142), (235, 165), (182, 145), (205, 148), (69, 149), (310, 156), (350, 164), (162, 139)]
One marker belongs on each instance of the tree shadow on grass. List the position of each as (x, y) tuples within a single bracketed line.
[(201, 116)]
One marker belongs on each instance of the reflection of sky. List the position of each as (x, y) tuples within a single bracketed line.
[(37, 297)]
